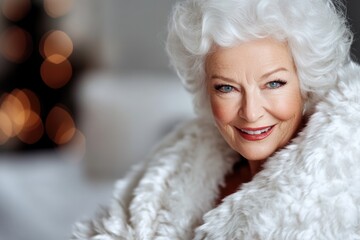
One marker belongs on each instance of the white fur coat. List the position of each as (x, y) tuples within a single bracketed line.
[(309, 190)]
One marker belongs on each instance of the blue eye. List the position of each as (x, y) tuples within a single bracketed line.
[(275, 84), (224, 88)]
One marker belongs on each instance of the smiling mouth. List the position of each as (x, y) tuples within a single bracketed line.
[(255, 134)]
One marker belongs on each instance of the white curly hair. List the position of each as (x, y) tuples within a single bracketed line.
[(316, 32)]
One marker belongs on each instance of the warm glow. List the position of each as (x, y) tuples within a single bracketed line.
[(29, 102), (15, 10), (19, 117), (64, 134), (14, 109), (57, 8), (16, 44), (60, 126), (33, 119), (56, 75), (56, 46), (22, 97), (56, 58), (5, 127), (33, 99), (33, 129)]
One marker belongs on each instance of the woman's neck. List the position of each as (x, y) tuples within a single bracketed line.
[(255, 166), (243, 171)]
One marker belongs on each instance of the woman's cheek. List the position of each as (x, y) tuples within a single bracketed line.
[(287, 106), (222, 110)]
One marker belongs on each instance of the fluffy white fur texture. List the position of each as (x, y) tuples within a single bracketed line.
[(309, 190), (166, 197)]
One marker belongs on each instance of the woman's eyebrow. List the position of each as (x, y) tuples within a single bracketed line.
[(215, 76), (266, 75)]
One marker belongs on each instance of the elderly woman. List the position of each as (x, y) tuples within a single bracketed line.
[(275, 150)]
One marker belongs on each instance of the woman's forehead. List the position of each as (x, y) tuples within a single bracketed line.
[(259, 54)]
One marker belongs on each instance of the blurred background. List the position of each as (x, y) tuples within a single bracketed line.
[(85, 92)]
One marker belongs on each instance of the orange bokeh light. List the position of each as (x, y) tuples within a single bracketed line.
[(57, 8), (32, 130), (18, 118), (15, 44), (60, 126), (15, 10), (14, 109), (29, 102), (56, 46), (5, 127), (23, 98), (56, 75), (33, 99)]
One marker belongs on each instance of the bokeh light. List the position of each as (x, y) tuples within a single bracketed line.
[(15, 10), (57, 8), (33, 129), (15, 44), (33, 99), (56, 75), (19, 117), (56, 46), (14, 109), (22, 98), (5, 127), (60, 126)]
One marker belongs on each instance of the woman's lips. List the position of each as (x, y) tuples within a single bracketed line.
[(255, 134)]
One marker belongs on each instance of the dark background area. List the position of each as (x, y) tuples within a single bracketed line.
[(49, 79), (353, 13)]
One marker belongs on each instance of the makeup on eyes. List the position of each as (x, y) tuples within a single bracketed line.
[(226, 88), (223, 88), (279, 82)]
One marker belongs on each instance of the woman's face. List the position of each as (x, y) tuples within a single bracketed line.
[(255, 96)]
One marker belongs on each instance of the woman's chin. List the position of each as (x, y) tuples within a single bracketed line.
[(256, 154)]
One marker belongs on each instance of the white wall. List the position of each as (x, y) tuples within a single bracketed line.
[(122, 34)]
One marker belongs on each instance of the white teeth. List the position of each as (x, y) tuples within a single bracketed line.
[(255, 132)]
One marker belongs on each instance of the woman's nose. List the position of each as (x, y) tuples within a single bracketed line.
[(251, 108)]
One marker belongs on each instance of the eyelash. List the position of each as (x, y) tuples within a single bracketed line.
[(280, 82), (220, 87)]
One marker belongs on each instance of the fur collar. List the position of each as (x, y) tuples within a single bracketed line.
[(309, 190)]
